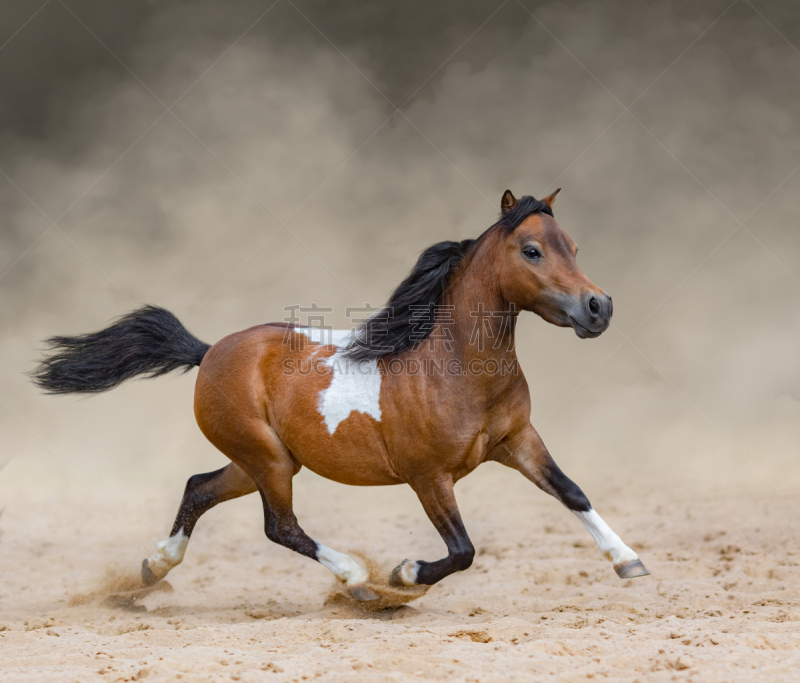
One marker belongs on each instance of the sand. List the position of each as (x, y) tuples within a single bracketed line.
[(539, 603)]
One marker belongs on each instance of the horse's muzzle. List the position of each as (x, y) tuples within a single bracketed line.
[(593, 316)]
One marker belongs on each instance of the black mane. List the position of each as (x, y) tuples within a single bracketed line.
[(409, 315)]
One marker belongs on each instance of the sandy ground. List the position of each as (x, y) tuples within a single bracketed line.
[(722, 604)]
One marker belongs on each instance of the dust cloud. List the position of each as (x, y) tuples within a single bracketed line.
[(290, 116)]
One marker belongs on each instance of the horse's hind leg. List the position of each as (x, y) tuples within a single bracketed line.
[(529, 455), (439, 502), (203, 491), (264, 456)]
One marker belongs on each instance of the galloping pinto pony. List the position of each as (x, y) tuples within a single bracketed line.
[(362, 416)]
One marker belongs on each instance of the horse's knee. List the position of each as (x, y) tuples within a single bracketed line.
[(567, 491), (463, 557), (575, 499)]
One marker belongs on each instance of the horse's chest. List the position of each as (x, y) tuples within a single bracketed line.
[(473, 456)]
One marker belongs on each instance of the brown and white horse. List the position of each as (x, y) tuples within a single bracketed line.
[(421, 394)]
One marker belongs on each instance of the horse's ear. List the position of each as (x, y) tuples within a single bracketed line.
[(508, 202), (551, 198)]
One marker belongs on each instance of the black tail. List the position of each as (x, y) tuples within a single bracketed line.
[(149, 341)]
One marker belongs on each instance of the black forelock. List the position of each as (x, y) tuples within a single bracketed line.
[(527, 205)]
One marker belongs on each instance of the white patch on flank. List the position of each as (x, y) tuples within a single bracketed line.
[(170, 554), (355, 386), (609, 543), (344, 567), (409, 572)]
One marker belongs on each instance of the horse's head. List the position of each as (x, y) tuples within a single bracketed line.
[(539, 272)]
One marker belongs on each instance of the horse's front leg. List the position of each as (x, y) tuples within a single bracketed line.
[(529, 455), (439, 501)]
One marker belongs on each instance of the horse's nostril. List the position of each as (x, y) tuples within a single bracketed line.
[(594, 306)]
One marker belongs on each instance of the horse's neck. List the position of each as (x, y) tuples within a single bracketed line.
[(475, 328), (484, 322)]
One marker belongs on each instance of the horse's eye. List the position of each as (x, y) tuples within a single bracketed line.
[(532, 253)]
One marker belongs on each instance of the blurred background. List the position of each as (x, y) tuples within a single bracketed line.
[(226, 161)]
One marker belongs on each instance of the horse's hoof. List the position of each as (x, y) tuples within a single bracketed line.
[(631, 569), (363, 594), (394, 578), (148, 578), (404, 575)]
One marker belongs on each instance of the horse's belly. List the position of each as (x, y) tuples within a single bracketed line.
[(355, 454)]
